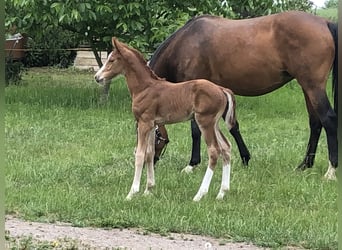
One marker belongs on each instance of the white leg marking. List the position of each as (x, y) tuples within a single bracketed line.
[(135, 185), (225, 184), (150, 179), (205, 184), (331, 173), (139, 162), (188, 169), (150, 182)]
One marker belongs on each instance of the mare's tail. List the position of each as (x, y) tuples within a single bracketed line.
[(229, 115), (333, 30)]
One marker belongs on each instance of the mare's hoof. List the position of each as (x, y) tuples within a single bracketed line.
[(303, 166), (307, 162), (330, 175), (245, 160), (188, 169)]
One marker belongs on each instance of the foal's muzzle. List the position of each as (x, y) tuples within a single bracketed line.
[(98, 79)]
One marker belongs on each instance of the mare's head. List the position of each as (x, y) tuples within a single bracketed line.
[(114, 64)]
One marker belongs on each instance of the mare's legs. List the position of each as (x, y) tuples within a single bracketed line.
[(225, 147), (244, 152), (161, 141), (320, 104), (144, 131), (315, 132), (196, 146)]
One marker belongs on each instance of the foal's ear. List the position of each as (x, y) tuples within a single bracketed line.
[(117, 45), (114, 43)]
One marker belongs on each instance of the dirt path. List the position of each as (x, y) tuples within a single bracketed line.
[(60, 234)]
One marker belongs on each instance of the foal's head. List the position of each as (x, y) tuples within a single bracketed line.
[(114, 64)]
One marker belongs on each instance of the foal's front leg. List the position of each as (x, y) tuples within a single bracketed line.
[(143, 134), (150, 162)]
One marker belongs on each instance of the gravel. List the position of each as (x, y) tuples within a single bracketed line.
[(59, 235)]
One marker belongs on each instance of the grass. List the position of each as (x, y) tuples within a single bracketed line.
[(329, 13), (70, 158)]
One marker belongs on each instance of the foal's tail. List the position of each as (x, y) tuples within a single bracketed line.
[(229, 115), (333, 30)]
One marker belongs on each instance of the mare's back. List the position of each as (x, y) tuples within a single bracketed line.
[(233, 53)]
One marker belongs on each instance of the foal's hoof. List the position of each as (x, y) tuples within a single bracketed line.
[(188, 169), (147, 193), (221, 194), (197, 198), (129, 196)]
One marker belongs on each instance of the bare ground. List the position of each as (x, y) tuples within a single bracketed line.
[(59, 236)]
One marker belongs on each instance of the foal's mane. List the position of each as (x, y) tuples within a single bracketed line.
[(143, 61)]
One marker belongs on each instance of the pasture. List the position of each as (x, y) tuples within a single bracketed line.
[(70, 158)]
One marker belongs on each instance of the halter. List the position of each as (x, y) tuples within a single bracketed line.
[(159, 139)]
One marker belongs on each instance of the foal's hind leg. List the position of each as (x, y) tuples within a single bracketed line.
[(208, 130), (225, 147)]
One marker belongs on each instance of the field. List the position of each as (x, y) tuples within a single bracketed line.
[(70, 158), (329, 13)]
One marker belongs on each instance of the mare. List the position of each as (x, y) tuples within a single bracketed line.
[(254, 57), (154, 103)]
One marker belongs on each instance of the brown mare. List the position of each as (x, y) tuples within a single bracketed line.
[(154, 103), (254, 57)]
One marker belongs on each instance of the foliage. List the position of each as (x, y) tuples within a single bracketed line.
[(13, 71), (254, 8), (71, 159), (49, 49), (329, 13), (142, 24), (331, 4)]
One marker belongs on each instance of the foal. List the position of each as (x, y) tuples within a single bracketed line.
[(154, 103)]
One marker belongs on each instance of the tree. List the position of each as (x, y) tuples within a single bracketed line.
[(254, 8), (331, 4), (141, 23)]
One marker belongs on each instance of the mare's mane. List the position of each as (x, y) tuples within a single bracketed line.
[(166, 43)]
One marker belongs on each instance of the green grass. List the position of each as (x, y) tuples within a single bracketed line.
[(329, 13), (70, 158)]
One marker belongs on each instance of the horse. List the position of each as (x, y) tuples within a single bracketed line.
[(254, 57), (154, 104)]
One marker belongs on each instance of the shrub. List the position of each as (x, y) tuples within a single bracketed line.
[(14, 71), (49, 49)]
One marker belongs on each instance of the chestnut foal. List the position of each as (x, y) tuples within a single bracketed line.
[(158, 102)]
